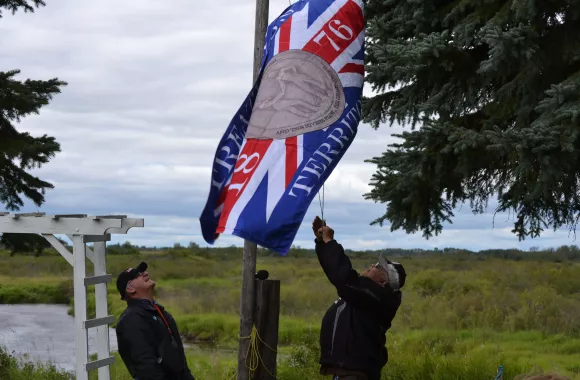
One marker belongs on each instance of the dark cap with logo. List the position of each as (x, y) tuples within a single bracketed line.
[(128, 275)]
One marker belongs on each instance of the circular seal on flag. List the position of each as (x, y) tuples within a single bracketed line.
[(299, 93)]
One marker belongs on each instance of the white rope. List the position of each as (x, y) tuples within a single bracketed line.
[(321, 203)]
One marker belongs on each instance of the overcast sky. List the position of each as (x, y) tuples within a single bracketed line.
[(152, 87)]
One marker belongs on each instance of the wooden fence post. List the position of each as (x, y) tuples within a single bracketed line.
[(267, 316), (247, 301)]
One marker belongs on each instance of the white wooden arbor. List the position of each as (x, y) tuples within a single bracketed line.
[(81, 229)]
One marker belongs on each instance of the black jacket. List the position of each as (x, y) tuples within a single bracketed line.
[(352, 334), (147, 348)]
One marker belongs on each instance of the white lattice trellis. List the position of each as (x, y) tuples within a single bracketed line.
[(81, 229)]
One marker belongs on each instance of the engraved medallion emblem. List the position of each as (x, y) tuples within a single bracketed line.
[(299, 93)]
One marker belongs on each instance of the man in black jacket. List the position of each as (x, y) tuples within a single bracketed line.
[(147, 335), (352, 335)]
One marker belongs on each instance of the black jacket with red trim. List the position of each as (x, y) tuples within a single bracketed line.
[(352, 334), (146, 345)]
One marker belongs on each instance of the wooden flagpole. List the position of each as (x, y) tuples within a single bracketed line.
[(248, 296)]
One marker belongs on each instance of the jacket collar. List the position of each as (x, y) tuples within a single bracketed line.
[(144, 304)]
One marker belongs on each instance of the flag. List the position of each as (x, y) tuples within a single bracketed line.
[(293, 127)]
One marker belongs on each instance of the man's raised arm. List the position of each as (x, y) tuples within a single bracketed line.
[(331, 256)]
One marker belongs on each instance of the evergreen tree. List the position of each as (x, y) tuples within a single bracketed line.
[(491, 91), (19, 151), (24, 243)]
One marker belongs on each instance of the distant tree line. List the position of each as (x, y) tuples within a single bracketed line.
[(31, 244)]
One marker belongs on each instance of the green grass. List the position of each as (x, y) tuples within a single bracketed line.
[(55, 290), (415, 355), (461, 316), (19, 369)]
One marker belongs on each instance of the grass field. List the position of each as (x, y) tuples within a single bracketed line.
[(462, 314)]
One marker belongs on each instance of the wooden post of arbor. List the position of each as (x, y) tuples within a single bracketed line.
[(267, 314), (247, 299)]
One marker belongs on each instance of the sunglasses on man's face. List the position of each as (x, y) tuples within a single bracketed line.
[(137, 275), (378, 266)]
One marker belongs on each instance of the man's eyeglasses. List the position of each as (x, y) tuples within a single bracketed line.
[(139, 274)]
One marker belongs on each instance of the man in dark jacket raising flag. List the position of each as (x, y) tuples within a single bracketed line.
[(352, 336)]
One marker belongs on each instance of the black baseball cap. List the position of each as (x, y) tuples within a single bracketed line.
[(128, 275)]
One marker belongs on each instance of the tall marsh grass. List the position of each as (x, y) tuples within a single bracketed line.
[(461, 316), (12, 368)]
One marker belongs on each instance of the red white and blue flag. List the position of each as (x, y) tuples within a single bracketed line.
[(294, 126)]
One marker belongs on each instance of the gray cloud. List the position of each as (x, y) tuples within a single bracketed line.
[(152, 86)]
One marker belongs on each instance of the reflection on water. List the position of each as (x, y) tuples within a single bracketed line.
[(43, 332)]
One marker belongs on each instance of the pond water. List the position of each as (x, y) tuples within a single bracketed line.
[(43, 333)]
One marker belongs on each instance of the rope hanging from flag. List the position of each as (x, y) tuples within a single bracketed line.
[(321, 202)]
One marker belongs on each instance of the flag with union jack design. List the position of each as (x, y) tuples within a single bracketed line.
[(294, 126)]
